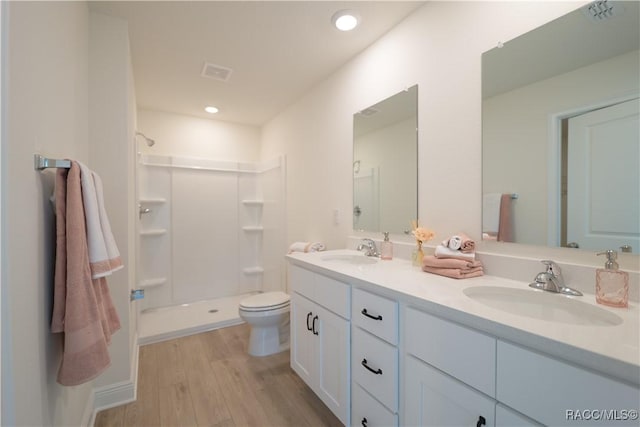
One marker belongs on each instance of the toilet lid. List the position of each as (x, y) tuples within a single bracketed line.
[(265, 301)]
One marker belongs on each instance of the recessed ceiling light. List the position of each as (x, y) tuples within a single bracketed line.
[(211, 110), (345, 20)]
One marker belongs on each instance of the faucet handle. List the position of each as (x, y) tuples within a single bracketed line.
[(552, 267)]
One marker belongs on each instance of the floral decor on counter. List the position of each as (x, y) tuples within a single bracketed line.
[(422, 235)]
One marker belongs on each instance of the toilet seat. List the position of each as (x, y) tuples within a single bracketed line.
[(267, 301)]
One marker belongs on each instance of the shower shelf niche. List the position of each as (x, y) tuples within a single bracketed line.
[(253, 228), (253, 202), (154, 232), (152, 283)]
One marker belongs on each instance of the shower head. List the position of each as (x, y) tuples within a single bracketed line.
[(148, 140)]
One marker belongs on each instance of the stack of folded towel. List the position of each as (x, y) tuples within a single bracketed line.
[(454, 258), (306, 247)]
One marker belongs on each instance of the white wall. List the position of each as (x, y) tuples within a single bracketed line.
[(516, 129), (186, 136), (439, 48), (111, 155), (45, 102)]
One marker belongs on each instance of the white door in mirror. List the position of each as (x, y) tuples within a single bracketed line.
[(604, 168)]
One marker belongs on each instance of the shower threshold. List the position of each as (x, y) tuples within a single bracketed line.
[(165, 323)]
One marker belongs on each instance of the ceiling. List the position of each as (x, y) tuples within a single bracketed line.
[(277, 51), (572, 41)]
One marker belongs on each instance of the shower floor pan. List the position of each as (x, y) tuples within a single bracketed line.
[(165, 323)]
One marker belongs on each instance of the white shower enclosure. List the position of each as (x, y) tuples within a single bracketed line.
[(208, 229)]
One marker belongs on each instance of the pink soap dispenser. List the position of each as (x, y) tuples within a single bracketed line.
[(612, 285), (386, 247)]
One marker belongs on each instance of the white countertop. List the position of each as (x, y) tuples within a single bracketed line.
[(611, 350)]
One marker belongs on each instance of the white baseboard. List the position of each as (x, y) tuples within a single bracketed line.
[(119, 393)]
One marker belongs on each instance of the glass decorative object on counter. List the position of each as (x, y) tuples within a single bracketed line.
[(417, 255)]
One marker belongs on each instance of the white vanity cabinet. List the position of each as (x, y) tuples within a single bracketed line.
[(320, 337), (374, 360), (386, 353), (564, 394), (449, 373)]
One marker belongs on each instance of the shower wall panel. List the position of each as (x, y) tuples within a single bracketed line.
[(205, 237)]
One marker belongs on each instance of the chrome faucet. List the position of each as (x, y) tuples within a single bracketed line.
[(370, 246), (552, 280)]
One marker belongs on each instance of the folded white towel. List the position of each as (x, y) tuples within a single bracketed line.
[(444, 252), (491, 212), (306, 247), (454, 243), (104, 257)]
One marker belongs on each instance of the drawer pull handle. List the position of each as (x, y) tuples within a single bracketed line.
[(377, 371), (481, 421), (378, 317), (313, 325), (364, 422), (309, 314)]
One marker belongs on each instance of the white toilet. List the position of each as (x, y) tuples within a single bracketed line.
[(268, 315)]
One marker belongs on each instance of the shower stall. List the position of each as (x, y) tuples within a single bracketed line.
[(208, 233)]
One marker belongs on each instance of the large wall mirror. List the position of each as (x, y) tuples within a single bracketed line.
[(560, 143), (385, 164)]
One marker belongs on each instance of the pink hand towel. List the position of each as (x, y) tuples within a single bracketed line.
[(468, 245)]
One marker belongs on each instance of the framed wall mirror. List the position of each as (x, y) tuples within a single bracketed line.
[(385, 164), (560, 142)]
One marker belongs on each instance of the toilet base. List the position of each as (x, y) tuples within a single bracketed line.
[(265, 341)]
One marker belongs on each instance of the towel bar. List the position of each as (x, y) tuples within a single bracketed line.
[(41, 162)]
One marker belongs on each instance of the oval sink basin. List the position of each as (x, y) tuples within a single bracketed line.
[(542, 305), (350, 259)]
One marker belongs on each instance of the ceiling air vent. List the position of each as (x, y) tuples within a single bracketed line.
[(601, 10), (217, 72)]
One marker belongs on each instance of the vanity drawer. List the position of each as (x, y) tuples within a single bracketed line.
[(330, 293), (465, 354), (334, 295), (376, 314), (375, 367), (302, 281), (367, 411), (558, 387)]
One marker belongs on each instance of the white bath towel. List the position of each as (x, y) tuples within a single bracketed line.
[(306, 247), (491, 212), (104, 256)]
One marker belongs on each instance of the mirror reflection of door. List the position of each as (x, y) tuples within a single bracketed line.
[(603, 161)]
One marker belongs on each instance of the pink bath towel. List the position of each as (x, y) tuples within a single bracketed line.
[(505, 228), (435, 262), (455, 273), (83, 308)]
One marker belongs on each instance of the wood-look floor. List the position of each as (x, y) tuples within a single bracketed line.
[(209, 379)]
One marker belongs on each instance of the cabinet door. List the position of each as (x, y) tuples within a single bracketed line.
[(435, 399), (333, 342), (506, 417), (302, 339)]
